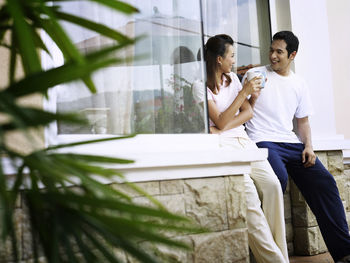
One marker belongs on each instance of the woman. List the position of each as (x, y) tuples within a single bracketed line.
[(228, 110)]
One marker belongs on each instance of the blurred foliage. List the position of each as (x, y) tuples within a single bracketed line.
[(68, 208)]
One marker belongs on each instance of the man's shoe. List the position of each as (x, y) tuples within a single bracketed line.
[(345, 259)]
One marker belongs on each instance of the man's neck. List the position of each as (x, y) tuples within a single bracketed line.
[(283, 73)]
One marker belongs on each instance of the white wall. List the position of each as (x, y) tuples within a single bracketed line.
[(310, 23), (339, 32)]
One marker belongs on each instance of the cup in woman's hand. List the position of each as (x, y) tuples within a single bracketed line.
[(257, 73)]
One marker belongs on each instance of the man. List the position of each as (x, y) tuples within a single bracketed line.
[(284, 97)]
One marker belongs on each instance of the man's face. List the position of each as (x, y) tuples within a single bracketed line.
[(280, 62)]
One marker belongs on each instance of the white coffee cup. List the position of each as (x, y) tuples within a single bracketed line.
[(257, 73)]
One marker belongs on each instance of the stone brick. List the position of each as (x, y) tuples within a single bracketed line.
[(340, 180), (347, 214), (335, 162), (287, 206), (289, 232), (6, 250), (220, 247), (322, 156), (347, 173), (171, 187), (205, 202), (308, 241), (303, 217), (120, 254), (297, 198), (27, 237), (321, 244), (151, 188), (290, 247), (165, 253), (236, 202), (40, 260), (173, 203)]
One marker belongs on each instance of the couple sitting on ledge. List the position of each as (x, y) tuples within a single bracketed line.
[(268, 116)]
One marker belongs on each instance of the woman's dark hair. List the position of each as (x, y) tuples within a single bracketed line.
[(215, 46), (290, 39)]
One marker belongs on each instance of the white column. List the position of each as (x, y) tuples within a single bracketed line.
[(309, 22)]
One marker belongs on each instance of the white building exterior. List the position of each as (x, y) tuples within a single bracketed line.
[(323, 60)]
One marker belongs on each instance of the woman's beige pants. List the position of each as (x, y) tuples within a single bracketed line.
[(266, 225)]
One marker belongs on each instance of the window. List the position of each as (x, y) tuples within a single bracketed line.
[(154, 94), (148, 95), (247, 22)]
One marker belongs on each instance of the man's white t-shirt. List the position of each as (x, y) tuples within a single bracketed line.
[(282, 98)]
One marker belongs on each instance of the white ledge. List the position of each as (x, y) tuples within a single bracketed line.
[(331, 144), (166, 157)]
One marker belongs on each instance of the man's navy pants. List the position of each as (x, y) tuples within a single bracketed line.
[(319, 189)]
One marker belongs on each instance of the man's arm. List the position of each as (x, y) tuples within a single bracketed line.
[(304, 131)]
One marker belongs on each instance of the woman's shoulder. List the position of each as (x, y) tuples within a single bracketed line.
[(234, 78), (235, 82)]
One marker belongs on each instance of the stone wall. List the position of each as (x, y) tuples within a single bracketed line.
[(307, 238), (216, 203)]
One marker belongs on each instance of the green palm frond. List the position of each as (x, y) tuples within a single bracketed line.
[(73, 216)]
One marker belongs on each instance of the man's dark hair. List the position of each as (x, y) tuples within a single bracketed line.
[(290, 39)]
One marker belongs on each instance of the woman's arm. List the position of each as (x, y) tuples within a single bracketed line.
[(245, 114), (222, 119)]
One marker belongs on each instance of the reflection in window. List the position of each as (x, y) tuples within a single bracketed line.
[(247, 22), (148, 95), (154, 94)]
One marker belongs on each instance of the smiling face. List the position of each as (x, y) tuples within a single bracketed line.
[(280, 61), (226, 62)]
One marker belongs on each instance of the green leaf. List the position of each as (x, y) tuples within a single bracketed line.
[(13, 59), (99, 28), (106, 253), (56, 32), (107, 203), (93, 158), (25, 36), (42, 81), (39, 43), (88, 142), (118, 240), (89, 84), (31, 118)]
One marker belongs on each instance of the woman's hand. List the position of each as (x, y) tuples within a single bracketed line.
[(214, 130), (252, 86)]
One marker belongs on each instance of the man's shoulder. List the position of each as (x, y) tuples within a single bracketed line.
[(298, 79)]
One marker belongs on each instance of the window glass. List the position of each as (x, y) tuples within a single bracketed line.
[(164, 92), (247, 22), (148, 95)]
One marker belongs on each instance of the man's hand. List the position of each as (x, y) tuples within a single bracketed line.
[(308, 157)]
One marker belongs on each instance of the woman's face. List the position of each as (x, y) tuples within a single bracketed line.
[(227, 60)]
